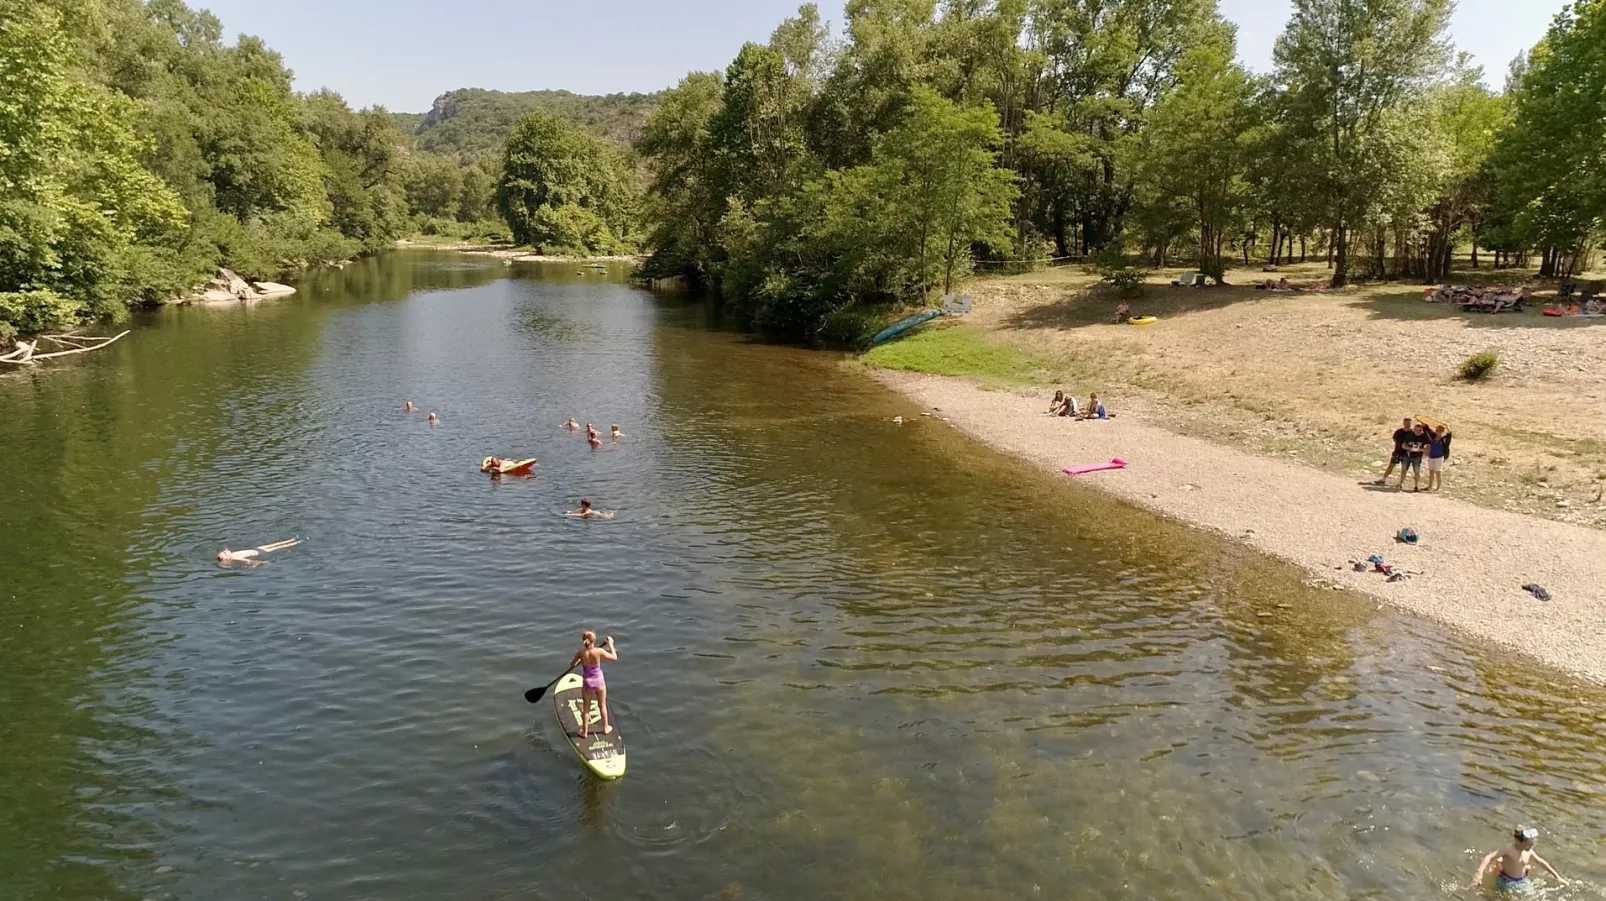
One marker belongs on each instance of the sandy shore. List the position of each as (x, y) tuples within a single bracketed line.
[(1473, 560)]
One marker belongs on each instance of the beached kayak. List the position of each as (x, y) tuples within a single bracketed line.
[(903, 326)]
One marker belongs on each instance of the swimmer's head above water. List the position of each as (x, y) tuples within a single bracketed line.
[(1525, 836)]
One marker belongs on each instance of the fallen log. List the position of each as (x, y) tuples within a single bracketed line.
[(28, 356)]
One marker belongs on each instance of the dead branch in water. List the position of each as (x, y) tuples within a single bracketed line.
[(25, 354)]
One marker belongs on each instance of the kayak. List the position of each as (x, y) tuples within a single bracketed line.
[(519, 468), (603, 755), (1117, 463), (1144, 320), (902, 326)]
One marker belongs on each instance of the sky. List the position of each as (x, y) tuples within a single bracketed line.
[(401, 54)]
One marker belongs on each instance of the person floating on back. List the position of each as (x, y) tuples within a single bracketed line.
[(249, 557), (1516, 862), (593, 686), (586, 512)]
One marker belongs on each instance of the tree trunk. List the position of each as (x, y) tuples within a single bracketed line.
[(1338, 254), (1547, 264), (1301, 248), (1474, 253)]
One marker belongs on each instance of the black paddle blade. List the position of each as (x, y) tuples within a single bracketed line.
[(535, 694)]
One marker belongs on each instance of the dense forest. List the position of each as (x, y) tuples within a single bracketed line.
[(139, 152), (819, 179), (815, 178)]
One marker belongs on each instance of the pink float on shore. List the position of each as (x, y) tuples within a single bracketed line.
[(1096, 467)]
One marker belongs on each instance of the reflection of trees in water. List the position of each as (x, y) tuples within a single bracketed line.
[(99, 454), (395, 276), (993, 679)]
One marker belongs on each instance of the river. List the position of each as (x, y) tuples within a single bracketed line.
[(860, 660)]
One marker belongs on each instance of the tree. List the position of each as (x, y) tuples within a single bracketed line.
[(1343, 66), (685, 198), (564, 190), (1550, 165), (1196, 145), (938, 188)]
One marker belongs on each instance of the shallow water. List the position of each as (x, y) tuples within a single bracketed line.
[(860, 660)]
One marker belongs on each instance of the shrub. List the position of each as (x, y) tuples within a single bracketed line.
[(1480, 365), (852, 326), (1112, 265), (30, 312)]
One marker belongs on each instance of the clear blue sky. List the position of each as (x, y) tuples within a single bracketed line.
[(402, 53)]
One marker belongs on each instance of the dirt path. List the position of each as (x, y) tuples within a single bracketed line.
[(1474, 560)]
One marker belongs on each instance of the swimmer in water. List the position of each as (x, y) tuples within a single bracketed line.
[(586, 512), (227, 557), (594, 440), (571, 425), (1516, 862), (614, 433), (594, 687), (410, 408), (433, 419)]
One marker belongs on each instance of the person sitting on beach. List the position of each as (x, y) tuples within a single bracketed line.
[(1057, 404), (1123, 313), (571, 425), (586, 511), (1282, 284), (1516, 862), (614, 433), (249, 557), (1095, 408), (1070, 408)]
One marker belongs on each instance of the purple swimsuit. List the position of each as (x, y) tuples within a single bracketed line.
[(593, 676)]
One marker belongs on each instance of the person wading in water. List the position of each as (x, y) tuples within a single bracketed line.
[(594, 687)]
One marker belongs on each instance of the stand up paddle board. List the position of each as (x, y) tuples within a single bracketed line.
[(602, 754)]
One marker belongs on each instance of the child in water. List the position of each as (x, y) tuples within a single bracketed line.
[(585, 511), (1516, 862)]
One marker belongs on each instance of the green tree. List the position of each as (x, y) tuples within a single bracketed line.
[(564, 190), (1196, 146), (1550, 165), (685, 199), (1344, 66)]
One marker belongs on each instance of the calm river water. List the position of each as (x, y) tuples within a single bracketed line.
[(859, 660)]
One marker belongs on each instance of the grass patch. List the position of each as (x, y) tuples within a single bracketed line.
[(960, 352), (1480, 366)]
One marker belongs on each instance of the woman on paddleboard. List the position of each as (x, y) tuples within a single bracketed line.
[(589, 659)]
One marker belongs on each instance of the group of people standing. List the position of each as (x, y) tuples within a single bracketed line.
[(1415, 442)]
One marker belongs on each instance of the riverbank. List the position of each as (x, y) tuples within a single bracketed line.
[(515, 254), (1468, 569), (1324, 377)]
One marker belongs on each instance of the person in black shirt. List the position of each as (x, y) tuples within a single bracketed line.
[(1415, 447), (1397, 458)]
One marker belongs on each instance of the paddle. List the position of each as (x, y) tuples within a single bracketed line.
[(535, 694)]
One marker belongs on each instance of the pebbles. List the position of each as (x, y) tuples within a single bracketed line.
[(1477, 558)]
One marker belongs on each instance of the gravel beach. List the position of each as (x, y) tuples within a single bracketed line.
[(1473, 560)]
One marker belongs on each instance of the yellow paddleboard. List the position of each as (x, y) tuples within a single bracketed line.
[(602, 754)]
